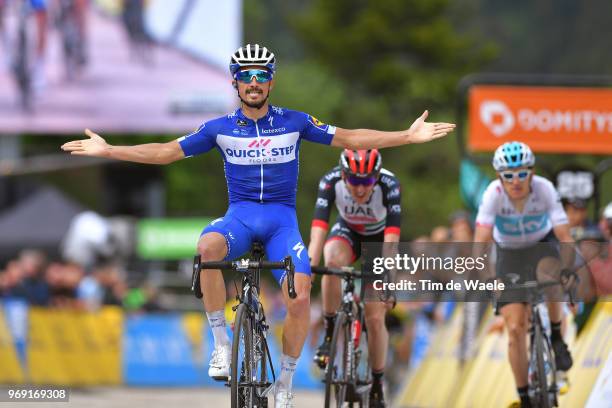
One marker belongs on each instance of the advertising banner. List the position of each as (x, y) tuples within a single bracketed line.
[(548, 119)]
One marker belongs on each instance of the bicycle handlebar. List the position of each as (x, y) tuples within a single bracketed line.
[(344, 272), (242, 265), (535, 285)]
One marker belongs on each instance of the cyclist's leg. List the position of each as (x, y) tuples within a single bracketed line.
[(225, 238), (288, 241), (284, 239), (515, 318), (339, 251), (549, 267), (517, 266)]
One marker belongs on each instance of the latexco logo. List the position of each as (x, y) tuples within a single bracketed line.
[(497, 117)]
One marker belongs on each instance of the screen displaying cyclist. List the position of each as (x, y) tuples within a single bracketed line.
[(518, 211), (259, 144), (368, 201)]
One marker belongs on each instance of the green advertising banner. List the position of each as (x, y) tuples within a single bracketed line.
[(169, 238)]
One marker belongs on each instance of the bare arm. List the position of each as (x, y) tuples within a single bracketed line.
[(150, 153), (562, 232), (419, 132), (315, 248)]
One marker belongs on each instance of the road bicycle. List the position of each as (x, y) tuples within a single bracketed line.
[(542, 380), (249, 376), (348, 377)]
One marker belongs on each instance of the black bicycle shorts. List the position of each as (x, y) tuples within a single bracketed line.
[(341, 231), (519, 265)]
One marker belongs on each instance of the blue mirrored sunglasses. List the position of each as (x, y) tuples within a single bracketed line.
[(361, 181), (510, 175), (246, 76)]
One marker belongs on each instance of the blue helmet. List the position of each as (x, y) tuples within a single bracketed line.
[(513, 155), (252, 54)]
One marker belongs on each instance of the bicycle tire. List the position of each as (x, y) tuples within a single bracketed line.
[(363, 372), (337, 391), (542, 399), (242, 396)]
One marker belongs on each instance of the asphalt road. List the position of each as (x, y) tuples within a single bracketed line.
[(158, 397)]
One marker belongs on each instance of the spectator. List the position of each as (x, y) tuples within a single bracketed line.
[(577, 216), (89, 240), (461, 227), (32, 263), (605, 223)]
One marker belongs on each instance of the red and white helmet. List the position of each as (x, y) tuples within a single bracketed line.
[(361, 163)]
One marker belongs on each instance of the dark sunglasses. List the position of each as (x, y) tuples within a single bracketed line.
[(246, 76), (509, 176), (361, 181)]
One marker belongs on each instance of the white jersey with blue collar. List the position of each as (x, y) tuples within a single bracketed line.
[(260, 157), (513, 229)]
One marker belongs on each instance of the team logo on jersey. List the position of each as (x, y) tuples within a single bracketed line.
[(253, 150), (259, 143), (317, 122), (242, 122), (527, 224)]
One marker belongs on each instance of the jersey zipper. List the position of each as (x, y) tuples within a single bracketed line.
[(261, 166)]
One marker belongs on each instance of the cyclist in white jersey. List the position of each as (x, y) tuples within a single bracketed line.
[(519, 210), (259, 145)]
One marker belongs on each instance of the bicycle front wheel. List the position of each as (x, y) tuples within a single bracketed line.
[(337, 373), (241, 374), (544, 366)]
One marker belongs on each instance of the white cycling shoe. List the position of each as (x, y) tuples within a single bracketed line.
[(219, 366), (283, 399)]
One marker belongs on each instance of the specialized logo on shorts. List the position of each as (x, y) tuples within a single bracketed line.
[(252, 150), (299, 247)]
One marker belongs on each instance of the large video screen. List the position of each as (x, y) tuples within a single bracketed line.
[(115, 66)]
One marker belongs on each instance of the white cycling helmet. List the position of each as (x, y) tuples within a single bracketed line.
[(252, 54), (512, 155)]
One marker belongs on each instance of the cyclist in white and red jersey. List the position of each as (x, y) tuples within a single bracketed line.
[(519, 210), (368, 201), (259, 144)]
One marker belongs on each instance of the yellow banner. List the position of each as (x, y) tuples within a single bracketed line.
[(433, 381), (590, 354), (10, 367), (75, 348)]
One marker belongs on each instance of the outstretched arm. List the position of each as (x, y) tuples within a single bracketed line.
[(419, 132), (150, 153)]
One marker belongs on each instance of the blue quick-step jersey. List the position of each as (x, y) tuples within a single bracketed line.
[(260, 157)]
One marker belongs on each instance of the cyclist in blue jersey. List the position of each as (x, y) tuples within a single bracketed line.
[(520, 212), (259, 144)]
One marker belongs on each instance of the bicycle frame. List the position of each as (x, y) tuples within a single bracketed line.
[(352, 312), (254, 345)]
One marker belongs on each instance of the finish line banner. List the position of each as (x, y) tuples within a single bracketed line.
[(548, 119), (464, 271)]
